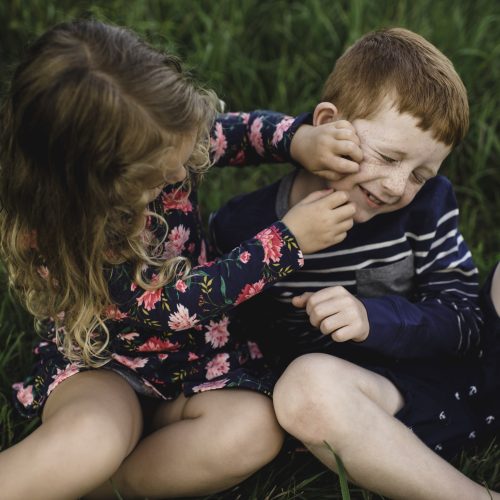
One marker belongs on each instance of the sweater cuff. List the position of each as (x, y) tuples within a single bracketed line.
[(283, 147)]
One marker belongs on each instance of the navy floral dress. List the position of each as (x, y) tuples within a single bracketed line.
[(177, 339)]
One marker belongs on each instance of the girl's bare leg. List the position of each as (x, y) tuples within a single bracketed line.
[(322, 398), (91, 422), (203, 444)]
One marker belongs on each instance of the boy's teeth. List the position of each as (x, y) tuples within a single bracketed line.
[(376, 200)]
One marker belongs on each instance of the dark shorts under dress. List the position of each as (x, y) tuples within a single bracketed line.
[(149, 375)]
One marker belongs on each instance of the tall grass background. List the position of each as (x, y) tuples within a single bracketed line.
[(276, 55)]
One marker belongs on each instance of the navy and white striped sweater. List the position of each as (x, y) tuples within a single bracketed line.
[(411, 269)]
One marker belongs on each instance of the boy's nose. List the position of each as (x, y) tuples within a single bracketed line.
[(395, 185)]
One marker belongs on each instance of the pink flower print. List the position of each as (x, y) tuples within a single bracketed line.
[(191, 247), (239, 159), (249, 291), (133, 287), (177, 238), (218, 144), (128, 336), (244, 116), (244, 257), (155, 344), (208, 386), (282, 126), (193, 356), (253, 349), (181, 320), (149, 299), (61, 375), (132, 363), (202, 258), (24, 394), (112, 312), (256, 136), (177, 200), (219, 365), (181, 286), (271, 241), (217, 333), (43, 271), (163, 356)]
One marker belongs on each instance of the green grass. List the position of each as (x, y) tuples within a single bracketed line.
[(276, 54)]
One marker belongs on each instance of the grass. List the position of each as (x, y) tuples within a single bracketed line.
[(276, 54)]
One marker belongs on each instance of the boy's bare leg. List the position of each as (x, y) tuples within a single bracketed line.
[(91, 422), (322, 398), (203, 444), (495, 289)]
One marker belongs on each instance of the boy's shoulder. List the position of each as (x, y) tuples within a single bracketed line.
[(244, 216)]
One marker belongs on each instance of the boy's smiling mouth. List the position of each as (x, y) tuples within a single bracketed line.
[(372, 199)]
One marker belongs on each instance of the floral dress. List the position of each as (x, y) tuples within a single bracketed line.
[(177, 339)]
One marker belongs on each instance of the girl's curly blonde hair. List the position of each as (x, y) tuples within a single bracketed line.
[(86, 130)]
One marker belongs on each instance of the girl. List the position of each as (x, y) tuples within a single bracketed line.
[(103, 141)]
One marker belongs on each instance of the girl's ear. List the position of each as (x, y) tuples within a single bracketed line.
[(325, 112)]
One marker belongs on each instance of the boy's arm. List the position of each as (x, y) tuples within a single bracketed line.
[(443, 316)]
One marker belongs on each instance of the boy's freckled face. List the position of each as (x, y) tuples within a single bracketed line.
[(398, 159)]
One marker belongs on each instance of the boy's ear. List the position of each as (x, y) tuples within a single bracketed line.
[(325, 112)]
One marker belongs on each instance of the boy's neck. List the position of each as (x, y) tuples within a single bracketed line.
[(304, 184)]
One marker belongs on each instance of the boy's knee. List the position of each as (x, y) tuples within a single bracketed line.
[(310, 395)]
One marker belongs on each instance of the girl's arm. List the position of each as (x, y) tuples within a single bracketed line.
[(212, 288), (267, 136), (252, 138)]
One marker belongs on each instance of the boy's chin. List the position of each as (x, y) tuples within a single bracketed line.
[(359, 218)]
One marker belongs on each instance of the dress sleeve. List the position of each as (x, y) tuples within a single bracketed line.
[(443, 316), (213, 288), (252, 138)]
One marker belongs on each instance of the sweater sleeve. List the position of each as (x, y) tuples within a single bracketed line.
[(443, 316), (213, 288), (253, 138)]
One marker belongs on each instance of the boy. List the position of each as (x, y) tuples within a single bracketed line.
[(395, 335)]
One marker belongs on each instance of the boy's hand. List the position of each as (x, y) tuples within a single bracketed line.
[(336, 312), (331, 150), (320, 220)]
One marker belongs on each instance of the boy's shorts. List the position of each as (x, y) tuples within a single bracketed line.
[(450, 407)]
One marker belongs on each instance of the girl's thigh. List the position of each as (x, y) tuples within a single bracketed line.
[(98, 401), (237, 405)]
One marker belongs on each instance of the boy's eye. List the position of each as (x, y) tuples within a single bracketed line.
[(388, 159), (418, 178)]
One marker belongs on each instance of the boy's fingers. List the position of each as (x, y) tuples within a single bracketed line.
[(300, 301)]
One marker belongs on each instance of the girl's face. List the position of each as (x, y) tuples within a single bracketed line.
[(174, 164), (399, 158)]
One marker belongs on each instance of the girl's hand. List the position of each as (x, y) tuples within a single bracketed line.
[(336, 312), (331, 150), (320, 220)]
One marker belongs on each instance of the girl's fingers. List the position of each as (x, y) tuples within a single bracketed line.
[(349, 149)]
